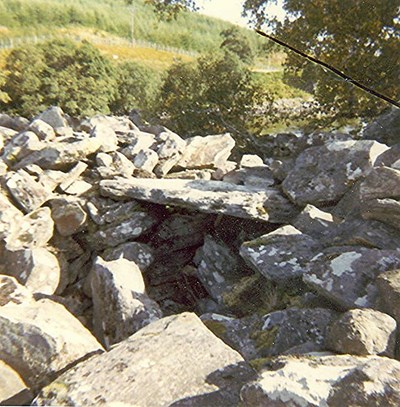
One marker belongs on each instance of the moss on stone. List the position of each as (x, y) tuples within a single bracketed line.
[(216, 327), (259, 364), (265, 339)]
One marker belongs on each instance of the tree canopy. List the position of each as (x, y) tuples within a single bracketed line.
[(359, 37)]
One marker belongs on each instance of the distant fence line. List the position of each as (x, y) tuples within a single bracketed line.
[(9, 43)]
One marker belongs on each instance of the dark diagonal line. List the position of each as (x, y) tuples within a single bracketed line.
[(333, 69)]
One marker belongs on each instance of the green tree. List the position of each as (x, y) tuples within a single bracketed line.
[(359, 37), (137, 87), (215, 94), (234, 41), (75, 77)]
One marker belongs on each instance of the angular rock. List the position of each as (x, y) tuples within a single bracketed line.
[(389, 293), (385, 128), (170, 148), (204, 196), (73, 175), (68, 215), (138, 140), (382, 182), (282, 255), (217, 268), (37, 269), (314, 222), (146, 160), (28, 193), (260, 177), (389, 158), (121, 306), (117, 124), (13, 390), (42, 129), (106, 136), (347, 275), (15, 123), (235, 332), (363, 332), (322, 175), (141, 254), (206, 152), (222, 169), (78, 188), (114, 235), (11, 292), (251, 160), (190, 174), (20, 146), (40, 339), (315, 381), (33, 230), (168, 348), (293, 331), (54, 116), (9, 216), (60, 155), (384, 210), (114, 164)]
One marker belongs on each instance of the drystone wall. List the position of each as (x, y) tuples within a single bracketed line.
[(141, 269)]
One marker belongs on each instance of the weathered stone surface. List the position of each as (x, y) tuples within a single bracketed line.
[(59, 155), (166, 349), (40, 339), (42, 129), (322, 381), (346, 275), (385, 128), (389, 293), (73, 175), (9, 216), (322, 175), (78, 188), (138, 140), (54, 116), (389, 158), (121, 306), (114, 164), (169, 151), (106, 136), (235, 332), (146, 160), (314, 222), (15, 123), (139, 253), (382, 182), (13, 390), (11, 292), (260, 177), (251, 160), (282, 255), (217, 268), (293, 331), (68, 215), (117, 124), (20, 146), (204, 196), (190, 174), (209, 151), (32, 230), (363, 332), (28, 193), (383, 210), (131, 228), (37, 269)]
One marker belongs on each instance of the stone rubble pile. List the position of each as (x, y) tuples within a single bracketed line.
[(138, 268)]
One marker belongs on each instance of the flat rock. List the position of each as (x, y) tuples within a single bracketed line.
[(20, 146), (322, 381), (73, 175), (121, 306), (13, 390), (28, 193), (33, 230), (37, 269), (389, 293), (40, 339), (54, 116), (381, 182), (282, 255), (314, 222), (204, 196), (347, 275), (363, 332), (260, 177), (168, 348), (206, 152), (384, 210), (322, 175)]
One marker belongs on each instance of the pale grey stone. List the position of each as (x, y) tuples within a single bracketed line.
[(68, 215), (322, 381), (204, 370), (11, 292), (78, 187), (363, 332), (389, 293), (54, 116), (169, 150), (21, 146), (39, 339), (73, 175), (251, 160), (322, 175), (13, 390), (9, 216), (139, 253), (146, 160), (42, 129), (106, 136), (114, 164)]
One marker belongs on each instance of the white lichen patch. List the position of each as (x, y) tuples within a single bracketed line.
[(352, 174), (343, 263)]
